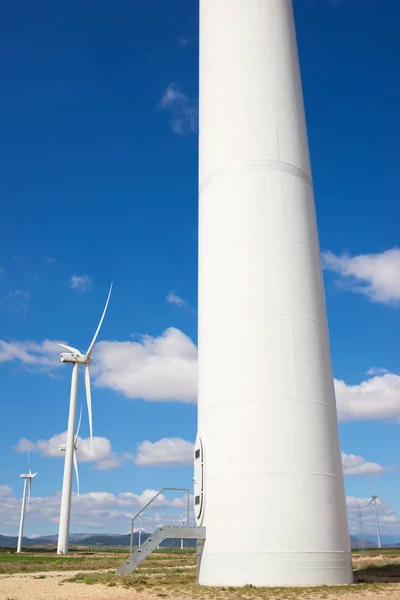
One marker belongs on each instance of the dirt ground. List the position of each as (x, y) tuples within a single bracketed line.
[(171, 576), (30, 587), (50, 586)]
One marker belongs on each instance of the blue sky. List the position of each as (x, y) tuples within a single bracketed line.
[(98, 171)]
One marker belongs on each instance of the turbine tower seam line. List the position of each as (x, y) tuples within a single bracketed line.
[(231, 52), (261, 164), (277, 314), (297, 473), (267, 400), (258, 237)]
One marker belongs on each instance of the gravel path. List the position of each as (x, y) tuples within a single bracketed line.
[(30, 587)]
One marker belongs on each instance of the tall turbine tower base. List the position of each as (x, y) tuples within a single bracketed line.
[(268, 474)]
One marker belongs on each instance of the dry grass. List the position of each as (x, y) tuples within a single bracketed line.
[(167, 578), (31, 563), (173, 576)]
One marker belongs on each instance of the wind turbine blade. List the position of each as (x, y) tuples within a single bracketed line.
[(79, 426), (383, 501), (70, 348), (89, 404), (88, 353), (76, 471), (29, 491), (369, 504)]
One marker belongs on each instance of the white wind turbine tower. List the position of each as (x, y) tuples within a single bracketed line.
[(182, 521), (158, 527), (27, 477), (140, 530), (76, 358), (63, 448), (361, 525), (373, 500)]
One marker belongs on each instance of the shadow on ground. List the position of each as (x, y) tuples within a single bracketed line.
[(384, 573)]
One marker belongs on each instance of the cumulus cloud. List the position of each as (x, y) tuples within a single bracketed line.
[(96, 511), (356, 465), (44, 355), (173, 298), (183, 111), (103, 456), (164, 368), (106, 512), (376, 398), (375, 275), (165, 452), (154, 368), (82, 283)]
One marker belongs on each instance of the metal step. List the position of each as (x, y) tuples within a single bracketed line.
[(154, 540)]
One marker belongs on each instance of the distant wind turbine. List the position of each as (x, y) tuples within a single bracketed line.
[(182, 521), (27, 483), (76, 358), (140, 530), (158, 527), (373, 500)]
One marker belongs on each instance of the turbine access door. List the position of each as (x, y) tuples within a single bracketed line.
[(198, 481)]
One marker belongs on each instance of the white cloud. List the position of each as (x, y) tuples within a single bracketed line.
[(18, 301), (106, 512), (155, 368), (103, 455), (173, 298), (377, 371), (375, 275), (96, 511), (356, 465), (377, 398), (165, 452), (44, 355), (182, 109), (164, 368), (82, 283)]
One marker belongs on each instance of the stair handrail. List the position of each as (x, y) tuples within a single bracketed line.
[(165, 489)]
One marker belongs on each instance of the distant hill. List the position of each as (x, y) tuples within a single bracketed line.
[(108, 539), (102, 539), (357, 542)]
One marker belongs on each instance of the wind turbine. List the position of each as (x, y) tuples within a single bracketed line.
[(139, 530), (182, 522), (76, 358), (373, 500), (63, 448), (27, 483), (158, 527), (361, 525)]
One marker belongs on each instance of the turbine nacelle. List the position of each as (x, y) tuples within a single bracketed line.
[(63, 447), (28, 475), (75, 358)]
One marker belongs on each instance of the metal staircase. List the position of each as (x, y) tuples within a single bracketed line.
[(154, 540)]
